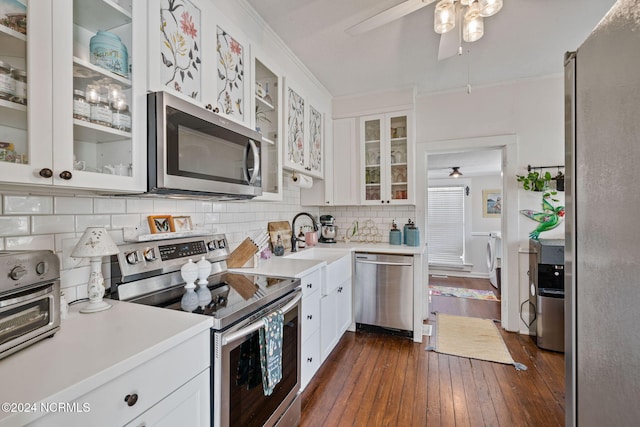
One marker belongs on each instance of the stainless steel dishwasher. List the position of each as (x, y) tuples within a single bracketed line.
[(384, 292)]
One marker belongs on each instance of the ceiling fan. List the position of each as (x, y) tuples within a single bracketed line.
[(450, 41)]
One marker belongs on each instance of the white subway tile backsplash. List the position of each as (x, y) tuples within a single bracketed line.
[(60, 238), (84, 221), (184, 206), (67, 262), (14, 225), (52, 224), (34, 205), (75, 276), (112, 206), (44, 241), (165, 206), (128, 220), (72, 205), (139, 206)]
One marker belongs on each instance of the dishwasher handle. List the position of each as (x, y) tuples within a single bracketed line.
[(402, 264)]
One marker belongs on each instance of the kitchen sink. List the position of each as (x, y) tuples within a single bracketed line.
[(320, 254)]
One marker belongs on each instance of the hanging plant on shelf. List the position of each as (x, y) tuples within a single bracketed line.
[(534, 181)]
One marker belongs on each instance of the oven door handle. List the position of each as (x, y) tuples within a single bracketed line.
[(28, 297), (227, 339)]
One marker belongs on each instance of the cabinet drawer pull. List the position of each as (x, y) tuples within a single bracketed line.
[(340, 289), (131, 399), (309, 359), (309, 285), (66, 175), (309, 316), (45, 173)]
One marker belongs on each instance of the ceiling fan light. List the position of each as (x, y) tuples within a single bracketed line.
[(444, 17), (473, 25), (489, 7)]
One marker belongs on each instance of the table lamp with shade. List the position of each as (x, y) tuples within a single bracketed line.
[(95, 243)]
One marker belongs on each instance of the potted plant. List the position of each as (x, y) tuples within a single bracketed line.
[(559, 179), (535, 181)]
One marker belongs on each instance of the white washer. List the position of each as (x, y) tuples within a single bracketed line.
[(494, 256)]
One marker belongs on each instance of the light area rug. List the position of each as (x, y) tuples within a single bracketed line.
[(471, 337), (447, 291)]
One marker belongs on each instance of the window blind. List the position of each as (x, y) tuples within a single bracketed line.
[(445, 225)]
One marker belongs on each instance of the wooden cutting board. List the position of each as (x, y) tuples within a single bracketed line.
[(283, 228)]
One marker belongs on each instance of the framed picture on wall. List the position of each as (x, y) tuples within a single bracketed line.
[(160, 224), (491, 203)]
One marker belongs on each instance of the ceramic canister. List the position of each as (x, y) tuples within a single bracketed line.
[(108, 52), (413, 236), (395, 237)]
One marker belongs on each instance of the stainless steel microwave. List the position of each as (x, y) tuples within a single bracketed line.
[(193, 151)]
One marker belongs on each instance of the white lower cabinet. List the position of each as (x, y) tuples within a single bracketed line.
[(188, 406), (171, 386), (310, 349), (335, 314)]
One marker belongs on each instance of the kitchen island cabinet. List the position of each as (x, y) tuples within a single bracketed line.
[(154, 359)]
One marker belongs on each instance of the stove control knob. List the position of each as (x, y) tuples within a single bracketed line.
[(18, 272), (222, 244), (212, 245), (41, 268), (132, 257), (150, 254), (221, 301)]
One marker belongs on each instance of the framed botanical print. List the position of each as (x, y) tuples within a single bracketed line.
[(180, 63), (491, 203), (294, 127), (230, 60)]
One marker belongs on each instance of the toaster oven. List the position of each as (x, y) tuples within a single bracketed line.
[(29, 298)]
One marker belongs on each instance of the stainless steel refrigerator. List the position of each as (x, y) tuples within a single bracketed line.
[(602, 252)]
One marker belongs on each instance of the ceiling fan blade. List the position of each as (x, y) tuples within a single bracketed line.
[(391, 14), (449, 45)]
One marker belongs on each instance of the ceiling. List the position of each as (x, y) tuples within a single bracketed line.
[(527, 38), (471, 163)]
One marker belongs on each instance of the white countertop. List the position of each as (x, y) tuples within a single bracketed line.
[(284, 266), (375, 248), (91, 349)]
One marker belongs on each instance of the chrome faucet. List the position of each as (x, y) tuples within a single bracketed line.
[(294, 237)]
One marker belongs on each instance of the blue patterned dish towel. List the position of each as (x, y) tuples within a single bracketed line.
[(271, 350)]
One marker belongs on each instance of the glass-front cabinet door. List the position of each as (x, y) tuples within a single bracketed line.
[(25, 91), (267, 121), (372, 158), (386, 153), (99, 102)]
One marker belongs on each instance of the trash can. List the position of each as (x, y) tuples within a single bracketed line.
[(550, 316)]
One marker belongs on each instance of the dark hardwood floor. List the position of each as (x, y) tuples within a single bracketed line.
[(380, 380)]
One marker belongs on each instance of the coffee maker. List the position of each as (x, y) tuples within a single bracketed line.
[(328, 231)]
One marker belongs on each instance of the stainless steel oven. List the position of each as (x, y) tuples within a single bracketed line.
[(29, 298), (238, 392), (149, 273)]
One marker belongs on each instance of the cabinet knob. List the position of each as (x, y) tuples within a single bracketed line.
[(66, 175), (131, 399), (340, 289), (309, 316), (309, 359), (387, 201), (309, 285), (45, 173)]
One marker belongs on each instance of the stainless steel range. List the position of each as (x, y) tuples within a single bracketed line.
[(149, 273), (29, 298)]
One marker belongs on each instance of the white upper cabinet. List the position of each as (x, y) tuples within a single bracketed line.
[(304, 134), (82, 110), (25, 118), (386, 153)]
